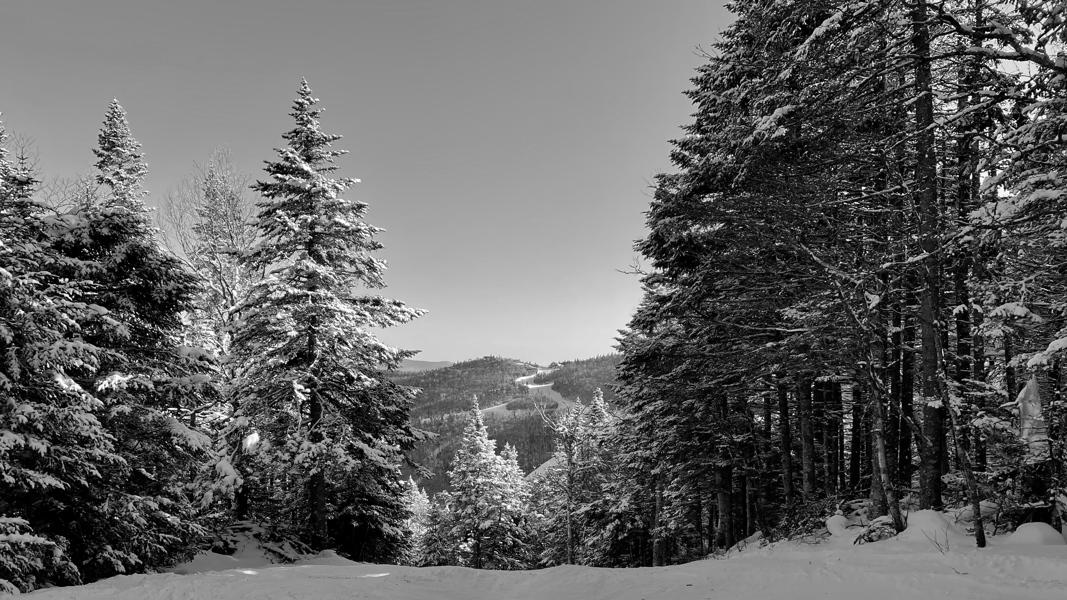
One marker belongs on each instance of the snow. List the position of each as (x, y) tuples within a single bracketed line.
[(839, 525), (934, 528), (908, 566), (1036, 534)]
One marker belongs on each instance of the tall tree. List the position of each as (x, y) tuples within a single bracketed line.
[(309, 359)]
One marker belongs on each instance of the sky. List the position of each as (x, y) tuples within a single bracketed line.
[(506, 146)]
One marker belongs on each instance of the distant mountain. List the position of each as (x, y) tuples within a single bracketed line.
[(423, 365), (441, 408)]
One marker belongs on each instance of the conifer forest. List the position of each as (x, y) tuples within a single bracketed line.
[(854, 280)]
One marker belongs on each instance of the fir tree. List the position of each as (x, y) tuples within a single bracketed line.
[(309, 360)]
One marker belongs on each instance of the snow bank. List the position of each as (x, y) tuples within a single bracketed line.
[(327, 558), (966, 513), (933, 527), (252, 550), (838, 525), (1036, 534), (835, 570)]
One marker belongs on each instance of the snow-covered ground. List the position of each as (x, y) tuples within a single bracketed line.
[(932, 559)]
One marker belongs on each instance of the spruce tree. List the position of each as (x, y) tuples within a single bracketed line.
[(309, 361)]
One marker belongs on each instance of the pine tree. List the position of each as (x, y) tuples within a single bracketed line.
[(309, 380)]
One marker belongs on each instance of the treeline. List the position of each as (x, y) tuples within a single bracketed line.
[(853, 275), (150, 400), (581, 378)]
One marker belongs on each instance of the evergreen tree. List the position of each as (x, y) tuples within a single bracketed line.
[(438, 547), (119, 164), (489, 498), (573, 482), (417, 504), (95, 384), (308, 358)]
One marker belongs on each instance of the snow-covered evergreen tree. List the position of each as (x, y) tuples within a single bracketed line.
[(418, 506), (438, 547), (120, 164), (50, 440), (310, 387), (94, 454), (489, 498), (568, 488)]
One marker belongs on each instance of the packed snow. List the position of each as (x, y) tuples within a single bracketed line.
[(933, 558)]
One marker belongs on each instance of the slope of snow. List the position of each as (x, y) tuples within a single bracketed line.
[(904, 567), (1036, 534)]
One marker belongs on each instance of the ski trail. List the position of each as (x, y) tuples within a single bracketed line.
[(543, 391)]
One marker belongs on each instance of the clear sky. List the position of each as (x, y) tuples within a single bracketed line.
[(506, 146)]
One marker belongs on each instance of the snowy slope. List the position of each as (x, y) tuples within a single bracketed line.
[(896, 569)]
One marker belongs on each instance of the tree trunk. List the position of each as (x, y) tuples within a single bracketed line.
[(895, 416), (807, 439), (659, 543), (882, 470), (833, 435), (317, 482), (819, 423), (979, 375), (723, 483), (856, 451), (570, 501), (972, 486), (786, 443), (904, 468), (926, 186)]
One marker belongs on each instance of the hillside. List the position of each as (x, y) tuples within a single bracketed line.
[(441, 409), (580, 378), (507, 405)]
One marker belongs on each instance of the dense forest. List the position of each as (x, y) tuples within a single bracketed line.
[(854, 278), (853, 302)]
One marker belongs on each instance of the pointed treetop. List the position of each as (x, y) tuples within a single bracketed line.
[(120, 163), (310, 144)]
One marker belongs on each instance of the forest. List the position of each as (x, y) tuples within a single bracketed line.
[(581, 378), (853, 304)]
